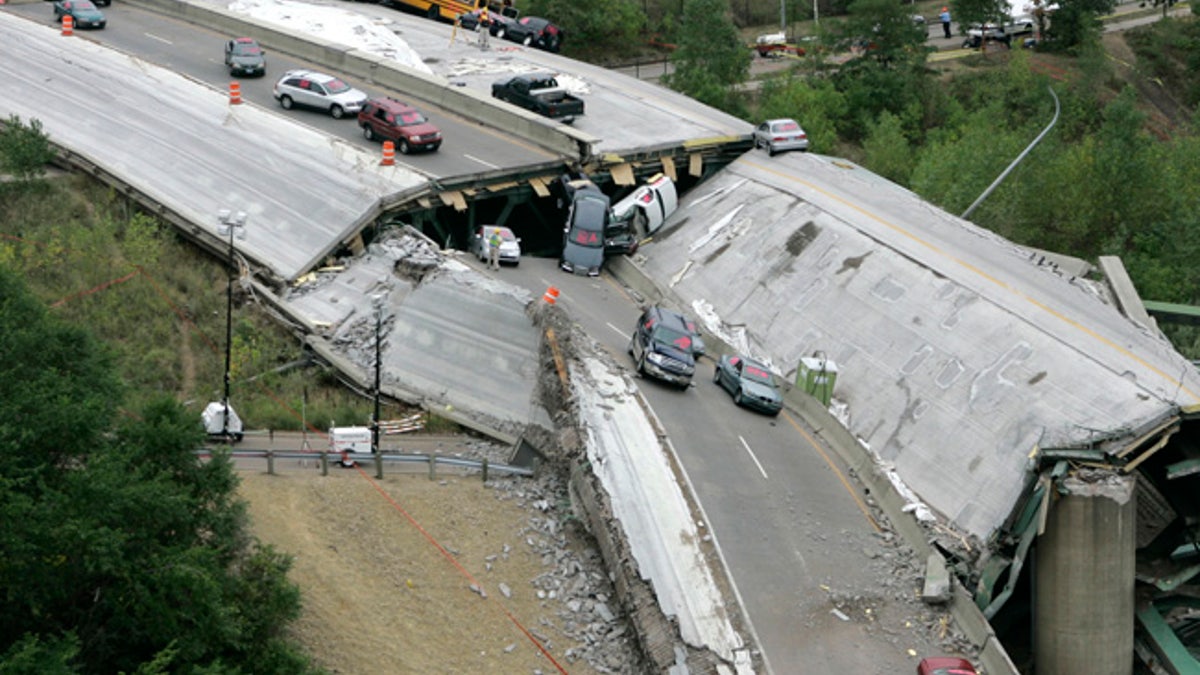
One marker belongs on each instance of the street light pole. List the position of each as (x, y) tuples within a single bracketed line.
[(1004, 174), (378, 369), (234, 223)]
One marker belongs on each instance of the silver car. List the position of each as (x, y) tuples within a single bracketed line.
[(320, 91), (510, 245), (780, 135)]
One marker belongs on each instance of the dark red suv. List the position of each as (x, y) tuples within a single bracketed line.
[(391, 120)]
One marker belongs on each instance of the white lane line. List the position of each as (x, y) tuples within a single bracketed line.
[(155, 37), (485, 163), (619, 331), (751, 453)]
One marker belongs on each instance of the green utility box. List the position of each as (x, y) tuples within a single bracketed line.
[(816, 376)]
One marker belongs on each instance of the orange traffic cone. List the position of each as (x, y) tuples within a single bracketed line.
[(551, 295), (68, 25), (235, 93), (389, 154)]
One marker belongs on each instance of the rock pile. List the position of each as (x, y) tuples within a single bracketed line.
[(574, 588)]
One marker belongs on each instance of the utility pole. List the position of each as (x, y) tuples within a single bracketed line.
[(379, 299), (231, 224)]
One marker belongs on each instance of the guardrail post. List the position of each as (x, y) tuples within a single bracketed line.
[(270, 462), (484, 466), (432, 466), (324, 463), (379, 465)]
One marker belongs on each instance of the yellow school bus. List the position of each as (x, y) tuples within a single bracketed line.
[(446, 9)]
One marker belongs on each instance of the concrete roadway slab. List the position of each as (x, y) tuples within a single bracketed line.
[(456, 340), (958, 354), (186, 147), (625, 113)]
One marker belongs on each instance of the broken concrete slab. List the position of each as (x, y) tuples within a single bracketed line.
[(938, 587)]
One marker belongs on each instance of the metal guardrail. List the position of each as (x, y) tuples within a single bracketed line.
[(361, 458)]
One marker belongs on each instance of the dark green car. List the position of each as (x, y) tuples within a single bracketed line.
[(750, 384), (83, 12)]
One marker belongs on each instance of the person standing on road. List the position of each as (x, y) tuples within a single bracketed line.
[(494, 249), (484, 27), (945, 17)]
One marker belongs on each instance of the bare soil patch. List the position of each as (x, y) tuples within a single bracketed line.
[(387, 567)]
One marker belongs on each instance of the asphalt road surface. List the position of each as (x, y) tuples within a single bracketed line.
[(467, 148)]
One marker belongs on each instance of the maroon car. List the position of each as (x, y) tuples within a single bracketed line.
[(391, 120), (945, 665)]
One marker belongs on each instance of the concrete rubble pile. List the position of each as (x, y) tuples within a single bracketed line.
[(575, 585), (575, 588)]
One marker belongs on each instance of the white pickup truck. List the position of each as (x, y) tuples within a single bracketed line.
[(1019, 18)]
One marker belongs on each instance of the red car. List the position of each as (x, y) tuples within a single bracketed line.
[(945, 665), (392, 120)]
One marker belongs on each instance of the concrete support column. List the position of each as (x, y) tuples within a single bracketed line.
[(1084, 578)]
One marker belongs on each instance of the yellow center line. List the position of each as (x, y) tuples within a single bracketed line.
[(983, 275), (834, 467)]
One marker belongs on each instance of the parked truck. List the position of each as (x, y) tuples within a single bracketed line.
[(540, 93), (347, 441), (775, 45)]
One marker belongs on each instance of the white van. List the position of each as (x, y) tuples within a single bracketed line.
[(350, 439), (649, 206)]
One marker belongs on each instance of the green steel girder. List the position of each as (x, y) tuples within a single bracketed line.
[(1026, 526), (1164, 642)]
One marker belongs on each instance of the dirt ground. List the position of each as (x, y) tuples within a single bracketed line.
[(387, 568)]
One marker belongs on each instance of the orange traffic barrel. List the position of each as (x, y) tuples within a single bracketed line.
[(389, 153), (68, 25), (551, 295), (235, 92)]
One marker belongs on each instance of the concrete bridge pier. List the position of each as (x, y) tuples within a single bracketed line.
[(1084, 578)]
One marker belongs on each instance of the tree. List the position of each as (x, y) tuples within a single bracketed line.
[(888, 152), (598, 26), (122, 551), (710, 60), (882, 31), (1076, 23), (979, 12), (62, 390), (24, 150)]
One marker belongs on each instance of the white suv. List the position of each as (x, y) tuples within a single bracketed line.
[(317, 90)]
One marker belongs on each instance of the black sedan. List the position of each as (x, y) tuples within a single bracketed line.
[(244, 56), (533, 31), (750, 384), (83, 13)]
